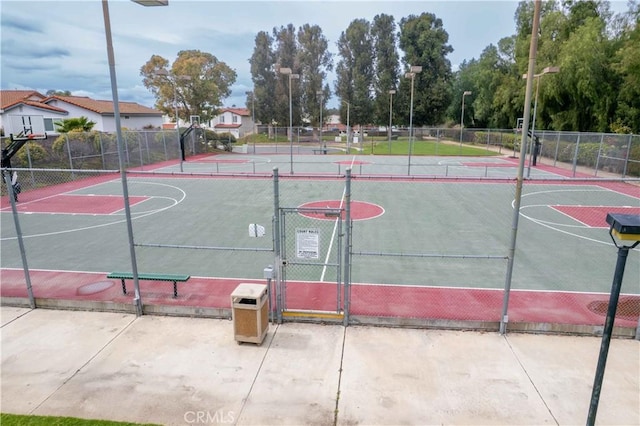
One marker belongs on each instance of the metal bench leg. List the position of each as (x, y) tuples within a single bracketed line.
[(124, 287), (175, 289)]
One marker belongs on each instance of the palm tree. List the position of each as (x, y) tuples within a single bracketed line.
[(80, 124)]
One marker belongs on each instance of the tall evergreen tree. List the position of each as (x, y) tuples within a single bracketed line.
[(383, 32), (425, 43)]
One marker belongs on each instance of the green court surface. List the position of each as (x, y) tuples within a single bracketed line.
[(423, 232)]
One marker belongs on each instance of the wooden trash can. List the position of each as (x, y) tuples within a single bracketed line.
[(250, 312)]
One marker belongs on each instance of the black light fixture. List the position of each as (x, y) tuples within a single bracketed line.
[(622, 227)]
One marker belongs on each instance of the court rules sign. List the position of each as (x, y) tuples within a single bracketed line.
[(307, 243)]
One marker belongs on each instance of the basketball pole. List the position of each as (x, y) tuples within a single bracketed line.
[(123, 174)]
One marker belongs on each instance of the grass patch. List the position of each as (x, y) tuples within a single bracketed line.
[(24, 420), (401, 147)]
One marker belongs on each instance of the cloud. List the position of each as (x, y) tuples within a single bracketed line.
[(15, 23), (65, 49)]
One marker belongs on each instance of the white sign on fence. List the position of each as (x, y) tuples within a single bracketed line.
[(307, 243)]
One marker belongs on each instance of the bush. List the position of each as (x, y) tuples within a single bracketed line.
[(36, 152)]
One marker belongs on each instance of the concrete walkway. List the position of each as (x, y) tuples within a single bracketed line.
[(181, 371)]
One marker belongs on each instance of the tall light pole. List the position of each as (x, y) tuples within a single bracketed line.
[(465, 93), (164, 73), (320, 93), (137, 301), (415, 69), (547, 70), (348, 128), (287, 71), (253, 110), (391, 93)]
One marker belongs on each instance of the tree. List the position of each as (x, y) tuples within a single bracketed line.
[(315, 60), (53, 92), (581, 95), (264, 79), (76, 124), (355, 72), (383, 32), (286, 55), (627, 66), (198, 80), (424, 42)]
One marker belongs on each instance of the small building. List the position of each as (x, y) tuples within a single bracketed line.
[(133, 116), (236, 121)]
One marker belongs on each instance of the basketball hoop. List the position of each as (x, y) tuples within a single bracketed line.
[(36, 136)]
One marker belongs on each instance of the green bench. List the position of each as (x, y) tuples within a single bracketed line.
[(175, 279)]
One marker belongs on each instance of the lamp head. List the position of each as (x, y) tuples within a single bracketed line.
[(624, 226), (152, 2)]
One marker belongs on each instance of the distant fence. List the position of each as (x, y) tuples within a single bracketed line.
[(596, 154), (591, 153)]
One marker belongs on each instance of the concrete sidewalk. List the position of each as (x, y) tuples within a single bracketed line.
[(176, 370)]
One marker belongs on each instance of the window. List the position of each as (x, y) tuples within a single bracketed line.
[(222, 119), (234, 118), (49, 124)]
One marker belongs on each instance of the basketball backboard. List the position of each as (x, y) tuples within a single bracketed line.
[(23, 127)]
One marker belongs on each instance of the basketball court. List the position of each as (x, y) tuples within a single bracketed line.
[(432, 244)]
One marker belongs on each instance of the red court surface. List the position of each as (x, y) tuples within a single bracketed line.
[(77, 204), (360, 210), (594, 216), (404, 302)]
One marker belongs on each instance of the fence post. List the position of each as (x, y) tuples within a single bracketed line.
[(104, 165), (626, 160), (595, 173), (347, 246), (33, 178), (140, 150), (16, 221), (66, 137), (146, 145), (276, 245), (555, 157), (164, 146), (575, 156), (488, 138)]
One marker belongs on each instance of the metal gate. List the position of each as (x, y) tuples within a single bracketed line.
[(310, 283)]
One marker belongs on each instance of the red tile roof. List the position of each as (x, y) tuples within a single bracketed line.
[(12, 98), (105, 107), (238, 111)]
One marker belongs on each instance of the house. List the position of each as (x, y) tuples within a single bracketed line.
[(53, 108), (28, 102), (236, 121)]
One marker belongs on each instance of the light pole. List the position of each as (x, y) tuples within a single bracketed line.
[(164, 73), (547, 70), (465, 93), (348, 128), (624, 227), (137, 301), (320, 93), (391, 93), (414, 69), (287, 71), (253, 110)]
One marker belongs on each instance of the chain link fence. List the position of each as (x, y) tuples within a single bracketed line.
[(421, 251)]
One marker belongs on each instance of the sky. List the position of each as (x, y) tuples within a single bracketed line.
[(61, 45)]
